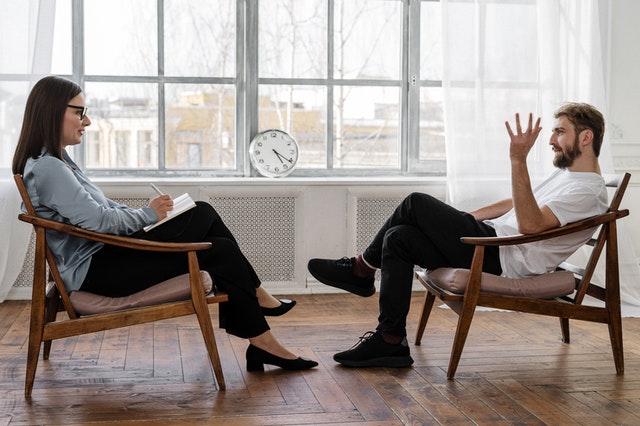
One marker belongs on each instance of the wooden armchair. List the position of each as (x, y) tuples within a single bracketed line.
[(463, 290), (50, 296)]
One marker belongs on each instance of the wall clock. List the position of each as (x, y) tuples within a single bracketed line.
[(274, 153)]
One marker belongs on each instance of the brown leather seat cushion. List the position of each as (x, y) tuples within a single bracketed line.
[(171, 290), (544, 286)]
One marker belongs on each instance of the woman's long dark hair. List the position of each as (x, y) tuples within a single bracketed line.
[(42, 122)]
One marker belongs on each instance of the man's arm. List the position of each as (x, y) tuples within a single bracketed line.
[(492, 210), (531, 218)]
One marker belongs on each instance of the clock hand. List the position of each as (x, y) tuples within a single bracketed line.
[(280, 157)]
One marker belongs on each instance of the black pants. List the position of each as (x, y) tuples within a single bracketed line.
[(117, 271), (421, 231)]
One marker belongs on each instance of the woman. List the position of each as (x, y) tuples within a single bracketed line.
[(55, 117)]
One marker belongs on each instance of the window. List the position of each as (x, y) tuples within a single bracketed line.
[(180, 86)]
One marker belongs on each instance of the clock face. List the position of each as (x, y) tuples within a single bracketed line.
[(273, 153)]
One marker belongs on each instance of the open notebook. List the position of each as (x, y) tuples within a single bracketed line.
[(180, 205)]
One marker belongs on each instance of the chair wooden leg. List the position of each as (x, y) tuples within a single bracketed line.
[(612, 299), (424, 317), (564, 327), (204, 319), (462, 330), (51, 311), (467, 310), (38, 306), (615, 335), (33, 351), (615, 327)]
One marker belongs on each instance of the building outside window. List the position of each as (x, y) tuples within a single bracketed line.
[(147, 150)]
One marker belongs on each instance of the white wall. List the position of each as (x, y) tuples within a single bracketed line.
[(623, 122)]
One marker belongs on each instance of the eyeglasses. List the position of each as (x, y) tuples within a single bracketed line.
[(82, 108)]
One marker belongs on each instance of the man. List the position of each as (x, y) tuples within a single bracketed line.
[(425, 231)]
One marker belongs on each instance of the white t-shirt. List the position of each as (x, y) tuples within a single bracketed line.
[(571, 196)]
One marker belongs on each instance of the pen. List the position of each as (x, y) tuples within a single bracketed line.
[(155, 188)]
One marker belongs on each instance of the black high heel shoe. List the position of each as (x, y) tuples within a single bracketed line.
[(256, 358), (285, 306)]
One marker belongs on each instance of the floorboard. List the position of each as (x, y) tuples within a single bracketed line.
[(514, 370)]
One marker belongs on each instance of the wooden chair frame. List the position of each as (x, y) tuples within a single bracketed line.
[(48, 297), (565, 308)]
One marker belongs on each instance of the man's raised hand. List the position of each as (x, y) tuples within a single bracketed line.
[(522, 141)]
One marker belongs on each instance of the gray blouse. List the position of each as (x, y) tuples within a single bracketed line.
[(59, 190)]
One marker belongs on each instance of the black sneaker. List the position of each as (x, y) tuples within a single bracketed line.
[(372, 351), (339, 274)]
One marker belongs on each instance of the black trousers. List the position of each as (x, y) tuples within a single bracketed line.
[(117, 271), (421, 231)]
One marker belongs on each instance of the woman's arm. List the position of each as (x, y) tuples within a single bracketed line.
[(82, 203)]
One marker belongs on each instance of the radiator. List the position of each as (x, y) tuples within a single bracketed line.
[(265, 228)]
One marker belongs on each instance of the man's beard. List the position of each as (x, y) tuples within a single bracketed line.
[(564, 159)]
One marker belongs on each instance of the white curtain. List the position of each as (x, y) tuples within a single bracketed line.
[(26, 29), (508, 57)]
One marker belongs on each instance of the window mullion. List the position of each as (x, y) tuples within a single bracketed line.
[(251, 74), (242, 124), (161, 90), (412, 84), (330, 85), (78, 42)]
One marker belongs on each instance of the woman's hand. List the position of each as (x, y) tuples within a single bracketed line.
[(161, 205)]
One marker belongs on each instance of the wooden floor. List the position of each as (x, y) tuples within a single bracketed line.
[(514, 370)]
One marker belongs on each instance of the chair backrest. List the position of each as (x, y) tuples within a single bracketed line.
[(55, 285), (619, 182), (583, 285)]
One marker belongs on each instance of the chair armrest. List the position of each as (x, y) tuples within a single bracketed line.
[(570, 228), (116, 240)]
